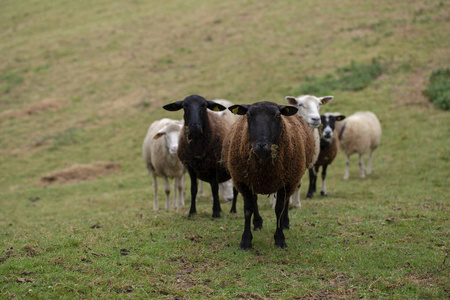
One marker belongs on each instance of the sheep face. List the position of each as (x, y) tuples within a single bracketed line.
[(328, 124), (264, 124), (308, 107), (195, 113), (171, 133)]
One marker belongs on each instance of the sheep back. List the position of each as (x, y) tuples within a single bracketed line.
[(362, 133)]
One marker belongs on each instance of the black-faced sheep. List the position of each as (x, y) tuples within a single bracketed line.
[(329, 145), (200, 145), (359, 133), (159, 150), (267, 151)]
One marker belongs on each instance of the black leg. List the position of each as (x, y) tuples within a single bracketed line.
[(257, 219), (193, 177), (312, 183), (233, 205), (249, 198), (281, 210), (323, 192), (216, 204)]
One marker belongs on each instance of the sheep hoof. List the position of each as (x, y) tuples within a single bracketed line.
[(257, 224), (216, 215), (309, 196), (323, 194), (280, 243), (191, 214), (246, 244), (233, 211)]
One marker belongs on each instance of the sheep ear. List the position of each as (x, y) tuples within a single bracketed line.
[(158, 135), (174, 106), (215, 106), (340, 118), (286, 110), (325, 100), (238, 109), (291, 100)]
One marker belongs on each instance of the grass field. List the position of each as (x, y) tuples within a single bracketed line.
[(81, 81)]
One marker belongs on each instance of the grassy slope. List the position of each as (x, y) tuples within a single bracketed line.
[(118, 62)]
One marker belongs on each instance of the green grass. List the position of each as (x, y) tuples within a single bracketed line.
[(385, 236), (439, 88)]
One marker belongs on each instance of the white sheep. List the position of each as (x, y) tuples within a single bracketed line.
[(159, 150), (308, 108), (359, 133)]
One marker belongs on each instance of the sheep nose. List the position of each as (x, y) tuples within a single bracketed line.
[(173, 150), (262, 149), (315, 119), (195, 128)]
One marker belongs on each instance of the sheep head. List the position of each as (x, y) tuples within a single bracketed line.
[(308, 107), (264, 125), (195, 113)]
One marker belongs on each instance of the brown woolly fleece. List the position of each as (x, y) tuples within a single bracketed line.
[(204, 153), (290, 156), (328, 151)]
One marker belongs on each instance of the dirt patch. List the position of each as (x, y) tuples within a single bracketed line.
[(78, 173), (411, 93), (37, 108)]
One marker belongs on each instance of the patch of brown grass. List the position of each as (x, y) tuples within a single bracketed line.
[(36, 108), (78, 173)]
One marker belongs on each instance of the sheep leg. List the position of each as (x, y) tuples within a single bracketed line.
[(249, 205), (369, 163), (233, 205), (257, 219), (193, 177), (323, 192), (167, 191), (273, 200), (178, 186), (281, 210), (175, 193), (347, 167), (201, 192), (361, 166), (312, 182), (216, 203), (155, 193)]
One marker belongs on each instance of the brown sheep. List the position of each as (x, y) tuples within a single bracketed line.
[(200, 145), (267, 151), (329, 145)]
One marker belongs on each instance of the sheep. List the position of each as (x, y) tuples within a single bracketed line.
[(308, 108), (329, 145), (225, 188), (359, 133), (200, 145), (267, 151), (161, 160)]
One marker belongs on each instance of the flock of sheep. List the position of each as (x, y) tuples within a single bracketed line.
[(262, 148)]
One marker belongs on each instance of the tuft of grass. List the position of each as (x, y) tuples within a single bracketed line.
[(69, 136), (353, 77), (9, 80), (438, 89)]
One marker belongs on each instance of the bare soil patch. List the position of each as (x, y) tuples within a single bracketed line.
[(78, 173), (36, 108)]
